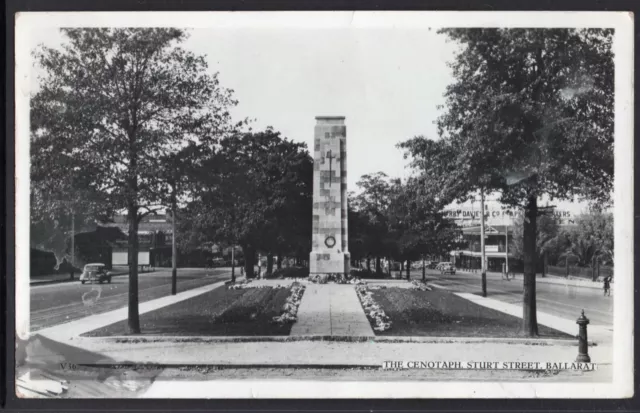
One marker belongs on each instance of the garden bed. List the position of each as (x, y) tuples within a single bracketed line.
[(436, 313), (224, 311)]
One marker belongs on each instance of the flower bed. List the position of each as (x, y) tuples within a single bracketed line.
[(241, 311), (374, 312), (290, 314), (248, 284), (335, 278), (419, 285), (327, 278), (438, 313)]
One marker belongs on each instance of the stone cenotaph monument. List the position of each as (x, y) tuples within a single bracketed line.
[(330, 247)]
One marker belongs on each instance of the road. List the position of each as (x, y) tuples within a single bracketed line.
[(53, 304), (561, 300)]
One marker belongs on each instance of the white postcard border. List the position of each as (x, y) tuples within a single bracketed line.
[(622, 384)]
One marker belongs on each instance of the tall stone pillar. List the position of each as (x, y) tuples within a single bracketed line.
[(330, 247)]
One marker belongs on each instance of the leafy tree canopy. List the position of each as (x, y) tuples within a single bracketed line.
[(255, 191), (530, 112)]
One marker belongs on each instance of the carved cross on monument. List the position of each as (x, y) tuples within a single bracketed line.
[(331, 205), (330, 164)]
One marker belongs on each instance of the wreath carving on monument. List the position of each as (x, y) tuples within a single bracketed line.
[(330, 241)]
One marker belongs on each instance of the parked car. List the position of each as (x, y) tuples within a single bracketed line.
[(432, 265), (448, 269), (217, 262), (441, 264), (95, 272)]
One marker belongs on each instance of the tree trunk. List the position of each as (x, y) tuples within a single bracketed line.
[(424, 270), (378, 269), (529, 316), (408, 270), (174, 250), (279, 261), (368, 264), (134, 319), (269, 264), (249, 261)]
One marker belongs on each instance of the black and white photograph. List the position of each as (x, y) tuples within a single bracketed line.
[(254, 205)]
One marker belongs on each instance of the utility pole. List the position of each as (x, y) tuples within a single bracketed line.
[(483, 257), (506, 249), (233, 264), (174, 249)]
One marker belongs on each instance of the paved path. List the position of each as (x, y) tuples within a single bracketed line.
[(331, 310), (315, 353)]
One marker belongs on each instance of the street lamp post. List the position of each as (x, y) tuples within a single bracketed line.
[(233, 264), (506, 249)]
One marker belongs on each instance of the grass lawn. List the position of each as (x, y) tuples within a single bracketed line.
[(439, 313), (221, 312)]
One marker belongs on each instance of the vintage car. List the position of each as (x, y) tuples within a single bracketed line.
[(95, 272), (441, 264), (448, 269)]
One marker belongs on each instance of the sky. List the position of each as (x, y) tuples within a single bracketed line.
[(386, 81)]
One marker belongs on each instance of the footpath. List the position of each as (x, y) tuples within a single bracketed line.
[(331, 310)]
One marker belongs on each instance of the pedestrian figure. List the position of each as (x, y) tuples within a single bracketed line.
[(607, 285), (242, 271)]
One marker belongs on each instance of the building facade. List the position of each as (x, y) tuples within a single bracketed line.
[(154, 239), (496, 247), (499, 224)]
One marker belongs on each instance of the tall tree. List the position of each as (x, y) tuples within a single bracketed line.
[(60, 198), (256, 192), (372, 202), (417, 222), (120, 99), (531, 111), (175, 180)]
